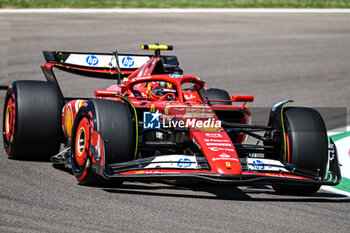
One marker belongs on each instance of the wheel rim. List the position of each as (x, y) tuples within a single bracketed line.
[(81, 142), (9, 120), (288, 147)]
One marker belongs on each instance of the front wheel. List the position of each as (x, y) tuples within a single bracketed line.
[(113, 122), (306, 147)]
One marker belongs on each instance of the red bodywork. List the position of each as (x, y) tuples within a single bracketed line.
[(214, 142)]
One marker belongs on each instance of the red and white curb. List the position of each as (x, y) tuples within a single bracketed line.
[(341, 138)]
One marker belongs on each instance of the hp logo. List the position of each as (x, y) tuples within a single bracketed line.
[(258, 164), (184, 163), (92, 60), (128, 61)]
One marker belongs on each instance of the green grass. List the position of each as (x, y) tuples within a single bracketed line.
[(176, 3)]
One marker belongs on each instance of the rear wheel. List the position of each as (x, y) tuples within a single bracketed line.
[(306, 146), (218, 94), (113, 121), (32, 120)]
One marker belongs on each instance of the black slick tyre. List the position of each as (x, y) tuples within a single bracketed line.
[(218, 94), (113, 121), (32, 120), (306, 147)]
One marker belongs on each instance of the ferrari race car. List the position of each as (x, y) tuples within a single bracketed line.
[(156, 124)]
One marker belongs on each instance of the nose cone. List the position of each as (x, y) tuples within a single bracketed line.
[(219, 151)]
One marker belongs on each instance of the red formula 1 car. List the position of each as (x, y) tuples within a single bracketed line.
[(157, 124)]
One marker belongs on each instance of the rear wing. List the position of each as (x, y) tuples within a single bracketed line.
[(102, 65), (106, 65), (97, 60)]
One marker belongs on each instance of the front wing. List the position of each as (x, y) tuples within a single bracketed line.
[(189, 168)]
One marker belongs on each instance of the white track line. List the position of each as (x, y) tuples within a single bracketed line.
[(334, 190), (339, 130), (174, 10)]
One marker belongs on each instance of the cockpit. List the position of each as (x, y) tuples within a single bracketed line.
[(156, 90)]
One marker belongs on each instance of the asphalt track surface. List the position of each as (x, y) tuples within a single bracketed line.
[(305, 57)]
